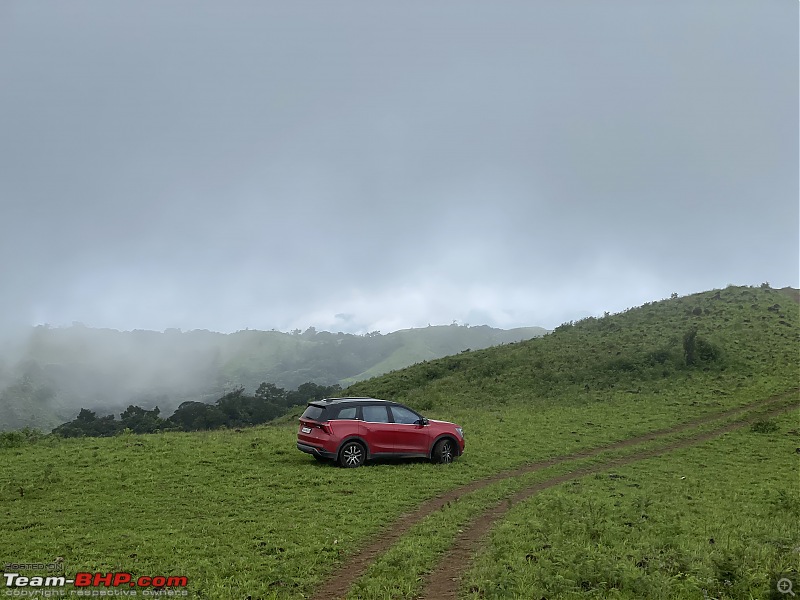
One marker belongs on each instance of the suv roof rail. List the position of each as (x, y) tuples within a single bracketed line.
[(348, 399)]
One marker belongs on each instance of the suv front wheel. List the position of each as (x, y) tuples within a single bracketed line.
[(352, 455), (444, 451)]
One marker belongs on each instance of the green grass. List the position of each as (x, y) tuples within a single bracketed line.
[(721, 520), (236, 513), (400, 572), (245, 513)]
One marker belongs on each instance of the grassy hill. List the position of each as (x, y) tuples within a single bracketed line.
[(243, 513), (418, 345), (740, 337)]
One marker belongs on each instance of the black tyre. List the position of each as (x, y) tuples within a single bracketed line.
[(444, 451), (352, 455)]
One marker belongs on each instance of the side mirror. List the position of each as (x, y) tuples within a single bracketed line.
[(422, 422)]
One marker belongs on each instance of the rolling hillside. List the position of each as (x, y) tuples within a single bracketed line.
[(735, 338)]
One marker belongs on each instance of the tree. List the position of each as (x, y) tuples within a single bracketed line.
[(698, 350), (88, 424), (196, 416), (140, 420), (690, 345), (271, 393), (306, 392), (86, 416)]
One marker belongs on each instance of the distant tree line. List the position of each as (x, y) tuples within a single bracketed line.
[(234, 409)]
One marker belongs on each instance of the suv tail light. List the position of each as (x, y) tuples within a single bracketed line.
[(326, 426)]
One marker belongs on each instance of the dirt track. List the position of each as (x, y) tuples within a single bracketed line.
[(443, 582)]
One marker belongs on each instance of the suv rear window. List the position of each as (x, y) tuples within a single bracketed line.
[(315, 413)]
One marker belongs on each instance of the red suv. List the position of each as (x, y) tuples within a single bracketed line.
[(351, 431)]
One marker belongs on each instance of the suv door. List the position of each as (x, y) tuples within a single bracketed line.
[(377, 428), (410, 437)]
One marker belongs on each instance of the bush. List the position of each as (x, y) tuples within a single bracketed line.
[(764, 426), (15, 439)]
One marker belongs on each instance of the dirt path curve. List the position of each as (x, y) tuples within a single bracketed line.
[(344, 577), (444, 582)]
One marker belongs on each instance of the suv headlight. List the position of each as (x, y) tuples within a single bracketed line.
[(460, 432)]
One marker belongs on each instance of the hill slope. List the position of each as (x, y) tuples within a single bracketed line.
[(726, 339)]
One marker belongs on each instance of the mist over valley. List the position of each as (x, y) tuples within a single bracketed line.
[(50, 373)]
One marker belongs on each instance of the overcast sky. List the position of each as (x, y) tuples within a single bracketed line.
[(360, 166)]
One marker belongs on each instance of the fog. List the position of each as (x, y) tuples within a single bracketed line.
[(375, 166)]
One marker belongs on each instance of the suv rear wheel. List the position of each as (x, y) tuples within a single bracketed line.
[(352, 455)]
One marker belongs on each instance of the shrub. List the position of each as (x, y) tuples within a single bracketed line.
[(15, 439), (764, 426)]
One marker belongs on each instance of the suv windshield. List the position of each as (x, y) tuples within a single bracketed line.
[(404, 416)]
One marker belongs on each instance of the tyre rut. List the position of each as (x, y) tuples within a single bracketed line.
[(444, 581), (343, 578)]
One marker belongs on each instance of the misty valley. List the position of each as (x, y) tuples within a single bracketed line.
[(97, 378)]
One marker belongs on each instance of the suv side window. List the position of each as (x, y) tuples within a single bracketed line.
[(404, 416), (375, 414), (347, 413)]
